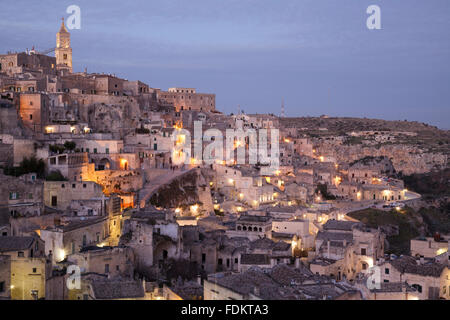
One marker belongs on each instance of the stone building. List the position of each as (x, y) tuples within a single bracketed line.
[(65, 239), (252, 227), (28, 267), (279, 283), (430, 247), (33, 109), (60, 194), (430, 279), (111, 261), (188, 99), (345, 248), (19, 63), (63, 51), (5, 277), (73, 166), (21, 196)]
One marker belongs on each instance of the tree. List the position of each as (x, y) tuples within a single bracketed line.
[(70, 145), (55, 176)]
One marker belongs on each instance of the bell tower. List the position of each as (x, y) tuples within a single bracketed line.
[(63, 51)]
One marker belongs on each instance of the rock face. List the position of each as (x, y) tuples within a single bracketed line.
[(407, 159), (184, 191), (412, 147)]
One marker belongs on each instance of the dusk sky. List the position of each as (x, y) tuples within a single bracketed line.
[(316, 54)]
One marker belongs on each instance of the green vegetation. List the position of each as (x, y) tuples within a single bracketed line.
[(55, 176), (407, 220), (61, 148), (437, 219), (28, 165), (70, 145), (430, 185)]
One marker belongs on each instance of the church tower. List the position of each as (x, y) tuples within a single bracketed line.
[(63, 51)]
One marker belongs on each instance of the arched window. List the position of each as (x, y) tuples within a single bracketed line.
[(239, 228), (244, 228)]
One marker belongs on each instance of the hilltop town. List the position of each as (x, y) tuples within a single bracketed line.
[(94, 204)]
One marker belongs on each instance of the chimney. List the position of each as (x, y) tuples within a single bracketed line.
[(328, 249), (199, 279), (422, 260), (345, 243)]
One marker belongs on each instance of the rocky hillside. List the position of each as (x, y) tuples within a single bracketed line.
[(187, 190)]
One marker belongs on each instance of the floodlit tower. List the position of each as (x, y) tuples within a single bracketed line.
[(63, 51)]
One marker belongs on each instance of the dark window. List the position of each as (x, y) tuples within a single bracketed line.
[(34, 270), (386, 270), (363, 251), (418, 287), (106, 268), (2, 286), (20, 254), (54, 201), (203, 257)]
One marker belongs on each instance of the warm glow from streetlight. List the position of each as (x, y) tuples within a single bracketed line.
[(123, 164), (337, 180), (194, 208), (61, 255)]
